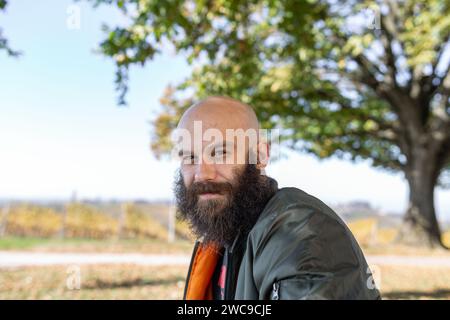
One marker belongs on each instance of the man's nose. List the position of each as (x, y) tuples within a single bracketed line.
[(205, 171)]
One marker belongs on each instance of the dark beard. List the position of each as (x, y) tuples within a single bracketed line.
[(219, 221)]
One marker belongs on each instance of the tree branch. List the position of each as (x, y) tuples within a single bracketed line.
[(387, 40), (392, 24)]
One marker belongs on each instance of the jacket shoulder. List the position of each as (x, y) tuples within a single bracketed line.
[(295, 202), (295, 219), (298, 237)]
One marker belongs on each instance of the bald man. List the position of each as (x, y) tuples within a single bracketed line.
[(256, 241)]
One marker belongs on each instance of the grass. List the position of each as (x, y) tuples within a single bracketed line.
[(140, 245), (415, 283), (140, 282), (97, 282)]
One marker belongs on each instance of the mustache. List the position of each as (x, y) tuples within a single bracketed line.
[(210, 187)]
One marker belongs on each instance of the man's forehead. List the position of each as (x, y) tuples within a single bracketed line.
[(219, 113), (220, 123), (208, 136)]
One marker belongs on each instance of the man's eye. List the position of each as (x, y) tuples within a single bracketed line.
[(188, 159), (220, 153)]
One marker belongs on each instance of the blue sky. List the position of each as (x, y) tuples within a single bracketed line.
[(60, 128)]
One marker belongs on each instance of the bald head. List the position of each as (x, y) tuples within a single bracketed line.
[(218, 124), (220, 113)]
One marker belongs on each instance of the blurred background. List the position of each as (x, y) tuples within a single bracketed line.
[(91, 90)]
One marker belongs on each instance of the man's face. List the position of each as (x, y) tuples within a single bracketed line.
[(219, 189), (212, 179)]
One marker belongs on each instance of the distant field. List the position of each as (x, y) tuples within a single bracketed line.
[(138, 282), (81, 220), (131, 226), (373, 240)]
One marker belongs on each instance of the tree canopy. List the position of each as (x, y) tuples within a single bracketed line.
[(3, 40), (311, 66), (354, 79)]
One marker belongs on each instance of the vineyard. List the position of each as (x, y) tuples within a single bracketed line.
[(80, 220)]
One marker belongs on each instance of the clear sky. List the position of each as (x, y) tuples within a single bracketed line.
[(61, 131)]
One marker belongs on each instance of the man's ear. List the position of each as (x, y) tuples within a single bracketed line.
[(263, 155)]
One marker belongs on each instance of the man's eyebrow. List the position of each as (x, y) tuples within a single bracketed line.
[(224, 145)]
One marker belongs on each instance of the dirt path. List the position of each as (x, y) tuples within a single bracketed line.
[(23, 258), (18, 259), (413, 261)]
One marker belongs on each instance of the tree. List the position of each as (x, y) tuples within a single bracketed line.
[(3, 41), (353, 79)]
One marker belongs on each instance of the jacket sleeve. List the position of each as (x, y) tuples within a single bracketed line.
[(304, 253)]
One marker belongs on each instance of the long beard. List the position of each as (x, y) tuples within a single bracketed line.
[(220, 220)]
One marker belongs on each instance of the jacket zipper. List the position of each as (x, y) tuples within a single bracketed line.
[(275, 291), (227, 275)]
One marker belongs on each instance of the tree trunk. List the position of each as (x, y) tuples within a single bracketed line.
[(420, 226)]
